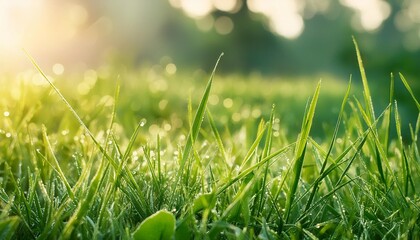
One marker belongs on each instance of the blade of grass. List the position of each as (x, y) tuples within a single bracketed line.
[(407, 86), (405, 166), (363, 138), (300, 151), (85, 203), (366, 91), (20, 197), (323, 198), (253, 148), (74, 113), (247, 171), (333, 139), (374, 147), (55, 164), (218, 138), (238, 198), (387, 118), (357, 145), (195, 127), (96, 180), (260, 198)]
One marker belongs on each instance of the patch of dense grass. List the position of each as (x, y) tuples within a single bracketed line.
[(141, 163)]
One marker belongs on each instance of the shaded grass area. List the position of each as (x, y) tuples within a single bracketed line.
[(208, 160)]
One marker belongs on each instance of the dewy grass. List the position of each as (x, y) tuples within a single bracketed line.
[(214, 179)]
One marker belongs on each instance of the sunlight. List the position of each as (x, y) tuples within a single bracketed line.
[(284, 17), (223, 25), (15, 17), (196, 8), (41, 27), (202, 8), (370, 14), (225, 5)]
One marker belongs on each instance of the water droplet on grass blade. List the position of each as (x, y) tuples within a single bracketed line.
[(143, 122)]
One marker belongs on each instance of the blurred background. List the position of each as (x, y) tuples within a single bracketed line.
[(291, 37), (265, 38)]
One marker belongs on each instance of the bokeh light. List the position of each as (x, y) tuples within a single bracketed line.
[(284, 17), (63, 35), (370, 14)]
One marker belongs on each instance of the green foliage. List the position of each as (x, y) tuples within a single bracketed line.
[(8, 227), (159, 226), (235, 172)]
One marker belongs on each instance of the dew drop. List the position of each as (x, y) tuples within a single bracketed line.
[(143, 122)]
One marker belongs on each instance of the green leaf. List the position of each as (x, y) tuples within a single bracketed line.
[(159, 226), (184, 229), (204, 201), (8, 227)]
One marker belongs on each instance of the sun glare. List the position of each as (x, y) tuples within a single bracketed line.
[(225, 5), (284, 17), (370, 14), (41, 27), (15, 17), (196, 8)]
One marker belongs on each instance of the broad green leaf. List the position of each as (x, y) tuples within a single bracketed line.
[(159, 226), (204, 201), (184, 228)]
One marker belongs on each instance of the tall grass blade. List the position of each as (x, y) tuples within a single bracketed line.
[(266, 151), (300, 150), (194, 129), (404, 164), (218, 138), (387, 118), (55, 164), (374, 144), (198, 119), (333, 140), (366, 91), (407, 86), (74, 113), (59, 94), (253, 148)]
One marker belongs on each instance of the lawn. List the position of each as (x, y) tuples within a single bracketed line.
[(118, 153)]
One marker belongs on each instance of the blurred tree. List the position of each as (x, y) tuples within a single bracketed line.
[(296, 36)]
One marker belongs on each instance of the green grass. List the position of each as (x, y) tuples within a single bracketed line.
[(78, 160)]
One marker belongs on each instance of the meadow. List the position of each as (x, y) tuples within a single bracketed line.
[(145, 153)]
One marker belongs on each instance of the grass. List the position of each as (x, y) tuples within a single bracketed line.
[(79, 162)]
